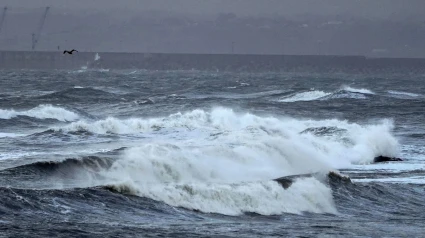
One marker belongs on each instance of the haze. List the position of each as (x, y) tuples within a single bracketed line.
[(390, 28)]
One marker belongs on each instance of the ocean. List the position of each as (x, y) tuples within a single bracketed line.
[(137, 153)]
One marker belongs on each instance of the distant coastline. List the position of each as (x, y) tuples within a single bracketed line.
[(50, 60)]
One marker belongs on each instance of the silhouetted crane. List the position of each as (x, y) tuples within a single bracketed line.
[(36, 35)]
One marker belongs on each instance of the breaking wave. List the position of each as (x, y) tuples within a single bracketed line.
[(223, 162), (266, 198), (41, 112), (358, 90), (400, 93), (344, 92), (224, 123), (306, 96)]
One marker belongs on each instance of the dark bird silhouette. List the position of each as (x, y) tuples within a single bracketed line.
[(69, 52)]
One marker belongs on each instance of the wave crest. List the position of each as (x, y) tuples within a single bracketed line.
[(265, 198), (41, 112), (227, 162), (306, 96), (344, 92), (401, 94), (358, 90)]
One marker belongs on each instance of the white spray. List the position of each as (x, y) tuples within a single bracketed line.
[(223, 162)]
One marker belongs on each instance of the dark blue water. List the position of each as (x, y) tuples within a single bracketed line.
[(192, 154)]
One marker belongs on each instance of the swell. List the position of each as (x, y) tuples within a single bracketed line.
[(59, 201), (51, 173), (394, 175), (70, 205), (400, 200), (342, 93), (218, 94), (373, 200), (79, 94), (41, 112), (397, 201), (403, 94), (305, 193)]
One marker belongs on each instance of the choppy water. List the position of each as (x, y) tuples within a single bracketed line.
[(191, 154)]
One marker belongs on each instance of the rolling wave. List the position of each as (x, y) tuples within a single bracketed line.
[(229, 170), (41, 112), (265, 198), (358, 90), (224, 123), (80, 93), (70, 204), (68, 173), (93, 163), (111, 125), (343, 93), (403, 94), (235, 157), (306, 96)]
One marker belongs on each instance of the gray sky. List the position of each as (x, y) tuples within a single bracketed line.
[(393, 28), (366, 8)]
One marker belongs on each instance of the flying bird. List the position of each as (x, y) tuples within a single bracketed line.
[(69, 52)]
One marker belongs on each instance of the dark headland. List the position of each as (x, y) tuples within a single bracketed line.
[(212, 62)]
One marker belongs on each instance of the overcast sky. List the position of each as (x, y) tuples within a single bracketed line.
[(316, 27), (365, 8)]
